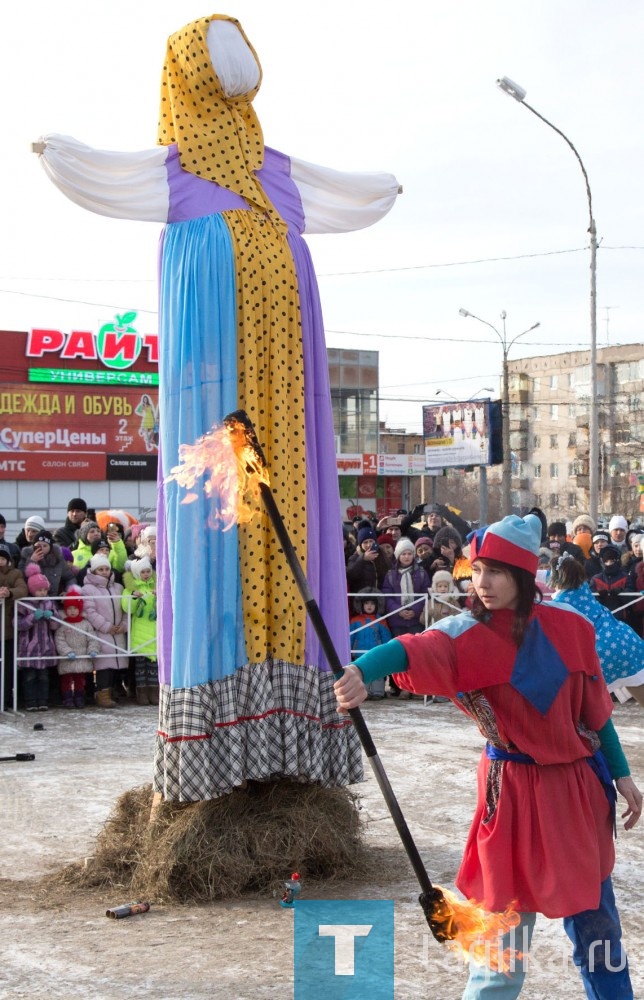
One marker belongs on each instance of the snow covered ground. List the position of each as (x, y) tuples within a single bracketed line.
[(52, 808)]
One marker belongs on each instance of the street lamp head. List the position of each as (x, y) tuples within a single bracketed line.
[(512, 88), (504, 315), (464, 312)]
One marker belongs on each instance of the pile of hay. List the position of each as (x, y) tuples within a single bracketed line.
[(246, 842)]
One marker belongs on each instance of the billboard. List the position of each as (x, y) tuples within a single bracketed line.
[(79, 405), (458, 434)]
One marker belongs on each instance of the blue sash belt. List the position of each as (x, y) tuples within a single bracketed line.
[(597, 762)]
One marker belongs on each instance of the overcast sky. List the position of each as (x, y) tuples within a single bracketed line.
[(494, 214)]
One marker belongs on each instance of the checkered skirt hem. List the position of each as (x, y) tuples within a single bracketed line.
[(268, 720)]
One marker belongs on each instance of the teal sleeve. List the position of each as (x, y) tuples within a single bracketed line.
[(612, 750), (390, 658)]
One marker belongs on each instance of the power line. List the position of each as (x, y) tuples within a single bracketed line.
[(453, 263)]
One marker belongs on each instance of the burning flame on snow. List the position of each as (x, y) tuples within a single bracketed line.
[(228, 459), (475, 933)]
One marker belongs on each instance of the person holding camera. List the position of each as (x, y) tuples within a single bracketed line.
[(368, 565), (432, 517), (49, 560), (91, 533)]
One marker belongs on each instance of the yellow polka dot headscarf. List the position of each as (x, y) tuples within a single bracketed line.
[(219, 137)]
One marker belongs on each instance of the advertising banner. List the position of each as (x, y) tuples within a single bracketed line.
[(79, 405), (459, 434), (68, 432), (382, 465)]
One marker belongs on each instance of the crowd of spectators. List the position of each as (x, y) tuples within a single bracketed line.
[(417, 563), (72, 593)]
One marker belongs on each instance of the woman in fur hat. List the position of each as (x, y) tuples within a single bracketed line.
[(583, 529), (527, 673)]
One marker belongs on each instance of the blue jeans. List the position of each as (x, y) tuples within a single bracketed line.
[(597, 949), (597, 953)]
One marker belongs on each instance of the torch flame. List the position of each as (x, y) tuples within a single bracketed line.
[(474, 933), (228, 459)]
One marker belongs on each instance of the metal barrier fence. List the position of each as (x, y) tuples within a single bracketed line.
[(110, 650), (428, 600)]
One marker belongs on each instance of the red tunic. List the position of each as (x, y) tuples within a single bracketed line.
[(541, 837)]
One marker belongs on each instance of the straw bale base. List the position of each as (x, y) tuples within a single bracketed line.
[(247, 842)]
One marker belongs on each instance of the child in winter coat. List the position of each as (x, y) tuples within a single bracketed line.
[(37, 623), (102, 597), (446, 597), (76, 642), (367, 631), (139, 601), (402, 583)]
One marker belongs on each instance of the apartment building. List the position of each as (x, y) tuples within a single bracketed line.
[(549, 414)]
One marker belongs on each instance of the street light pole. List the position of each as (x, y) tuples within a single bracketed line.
[(506, 480), (518, 93)]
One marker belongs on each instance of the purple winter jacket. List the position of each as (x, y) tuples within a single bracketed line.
[(36, 634)]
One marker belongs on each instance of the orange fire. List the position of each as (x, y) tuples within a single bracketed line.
[(228, 461), (475, 933)]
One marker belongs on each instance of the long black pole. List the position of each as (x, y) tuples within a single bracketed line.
[(355, 714), (432, 899)]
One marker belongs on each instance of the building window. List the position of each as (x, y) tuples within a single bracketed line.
[(572, 500), (537, 499), (572, 440), (536, 442), (554, 411), (536, 384), (553, 381), (536, 414), (537, 471), (554, 470), (554, 441), (572, 411), (554, 499)]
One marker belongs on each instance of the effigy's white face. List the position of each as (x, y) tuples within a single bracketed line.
[(232, 59)]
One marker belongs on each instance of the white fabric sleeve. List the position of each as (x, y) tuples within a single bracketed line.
[(339, 202), (119, 185)]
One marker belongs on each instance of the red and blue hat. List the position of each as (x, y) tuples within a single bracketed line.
[(514, 540)]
